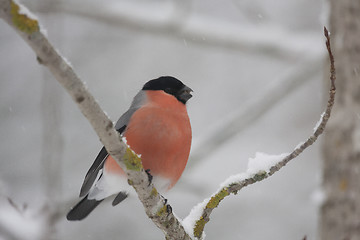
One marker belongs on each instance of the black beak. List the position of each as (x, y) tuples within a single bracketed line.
[(184, 94)]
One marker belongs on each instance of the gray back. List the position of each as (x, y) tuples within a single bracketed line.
[(137, 102)]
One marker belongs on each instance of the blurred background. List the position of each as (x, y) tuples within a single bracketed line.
[(256, 68)]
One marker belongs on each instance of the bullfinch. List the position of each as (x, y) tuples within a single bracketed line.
[(157, 127)]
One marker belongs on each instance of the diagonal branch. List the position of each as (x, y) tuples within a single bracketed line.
[(27, 26), (243, 180)]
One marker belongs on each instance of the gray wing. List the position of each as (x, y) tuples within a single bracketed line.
[(92, 174), (137, 102)]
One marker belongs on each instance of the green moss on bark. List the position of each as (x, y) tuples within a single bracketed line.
[(22, 21), (132, 161), (199, 227), (215, 200)]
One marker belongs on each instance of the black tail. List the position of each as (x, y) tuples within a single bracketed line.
[(82, 209), (119, 198)]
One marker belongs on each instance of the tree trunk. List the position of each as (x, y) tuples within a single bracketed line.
[(340, 213)]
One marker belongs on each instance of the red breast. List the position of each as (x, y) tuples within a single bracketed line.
[(160, 132)]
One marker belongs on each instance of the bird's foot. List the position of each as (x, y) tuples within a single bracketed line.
[(150, 177), (168, 207)]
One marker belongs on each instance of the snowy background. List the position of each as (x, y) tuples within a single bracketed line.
[(258, 62)]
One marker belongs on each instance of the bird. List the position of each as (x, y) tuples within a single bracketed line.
[(156, 127)]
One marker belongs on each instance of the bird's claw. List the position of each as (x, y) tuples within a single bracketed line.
[(168, 207), (150, 177)]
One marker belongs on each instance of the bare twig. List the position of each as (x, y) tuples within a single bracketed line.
[(256, 107), (14, 205), (155, 206), (234, 187)]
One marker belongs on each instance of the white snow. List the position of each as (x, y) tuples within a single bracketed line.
[(195, 214), (64, 65), (299, 145), (262, 162), (23, 10), (66, 61), (125, 141), (234, 178), (319, 122)]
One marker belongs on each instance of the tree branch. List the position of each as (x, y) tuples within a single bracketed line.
[(231, 186), (27, 26), (204, 31), (254, 108)]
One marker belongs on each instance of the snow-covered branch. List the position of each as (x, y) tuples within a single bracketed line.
[(260, 167), (28, 27)]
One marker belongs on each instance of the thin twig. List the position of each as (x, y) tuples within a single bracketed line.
[(253, 109), (155, 205), (14, 205), (233, 188)]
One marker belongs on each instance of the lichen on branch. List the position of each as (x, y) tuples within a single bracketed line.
[(22, 21)]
